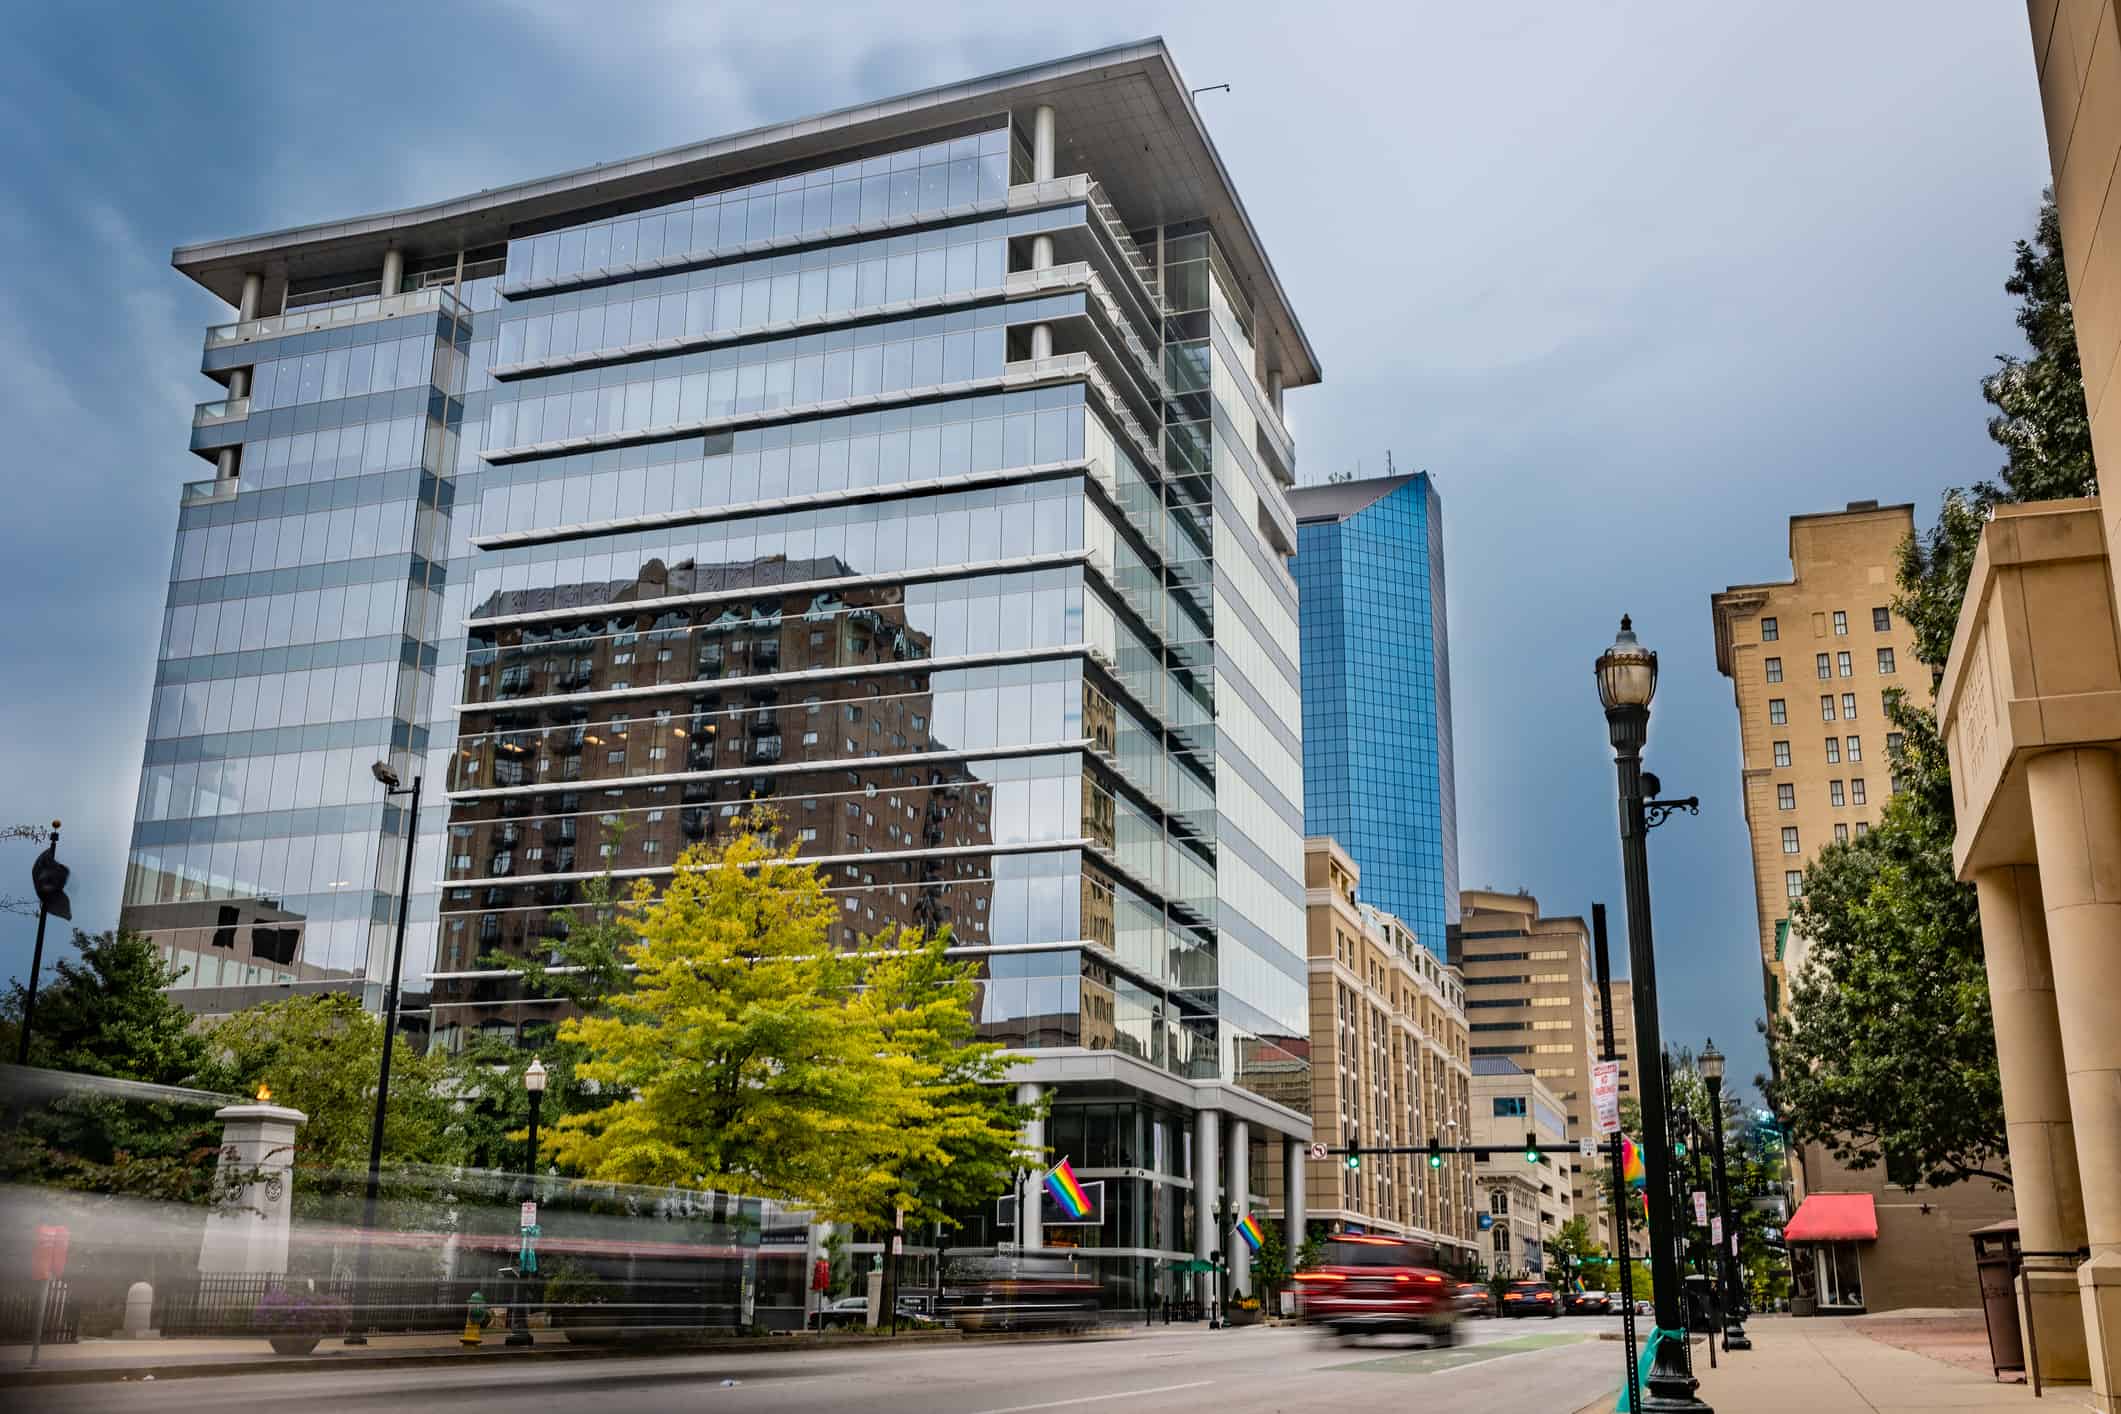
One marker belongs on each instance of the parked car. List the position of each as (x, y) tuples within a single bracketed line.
[(1472, 1299), (847, 1311), (1367, 1285), (1590, 1303), (1530, 1298)]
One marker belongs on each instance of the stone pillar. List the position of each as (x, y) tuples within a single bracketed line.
[(1030, 1227), (1042, 246), (2046, 1192), (253, 291), (2076, 806), (246, 1231), (393, 271), (1239, 1185), (1204, 1185), (1294, 1168), (1042, 143)]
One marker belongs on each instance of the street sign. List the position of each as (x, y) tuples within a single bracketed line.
[(1587, 1147), (1701, 1208), (1605, 1095), (1734, 1244), (530, 1215), (1318, 1148), (1716, 1231)]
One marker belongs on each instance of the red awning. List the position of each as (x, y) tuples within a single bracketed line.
[(1833, 1217)]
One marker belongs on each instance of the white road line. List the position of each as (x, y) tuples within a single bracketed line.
[(1097, 1398)]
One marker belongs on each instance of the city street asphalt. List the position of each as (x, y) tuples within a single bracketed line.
[(1501, 1367)]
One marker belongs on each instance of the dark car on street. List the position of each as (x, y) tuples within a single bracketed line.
[(1590, 1303), (1473, 1299), (1530, 1298), (1366, 1285)]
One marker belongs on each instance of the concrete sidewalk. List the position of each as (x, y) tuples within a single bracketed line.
[(1841, 1367)]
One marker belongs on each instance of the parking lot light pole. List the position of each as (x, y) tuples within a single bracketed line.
[(1627, 681)]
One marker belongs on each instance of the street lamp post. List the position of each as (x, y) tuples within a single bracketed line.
[(388, 779), (1627, 681), (1734, 1336), (518, 1318)]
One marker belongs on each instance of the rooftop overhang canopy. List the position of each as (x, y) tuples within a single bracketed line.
[(1124, 116), (1833, 1217)]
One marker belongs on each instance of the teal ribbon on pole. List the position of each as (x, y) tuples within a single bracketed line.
[(1643, 1364), (527, 1259)]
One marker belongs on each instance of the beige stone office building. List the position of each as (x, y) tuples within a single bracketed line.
[(2031, 710), (1532, 998), (1527, 1202), (1810, 659), (1623, 1034), (1389, 1066)]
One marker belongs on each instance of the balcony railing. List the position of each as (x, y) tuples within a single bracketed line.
[(225, 410), (334, 316), (214, 488)]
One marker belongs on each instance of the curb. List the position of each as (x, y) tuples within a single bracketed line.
[(303, 1364)]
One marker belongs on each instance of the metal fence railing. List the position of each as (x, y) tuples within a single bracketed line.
[(18, 1313)]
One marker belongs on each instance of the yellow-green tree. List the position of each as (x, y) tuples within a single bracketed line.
[(751, 1055)]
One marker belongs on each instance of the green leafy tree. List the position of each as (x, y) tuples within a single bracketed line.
[(749, 1054), (321, 1054), (108, 1012), (1569, 1250)]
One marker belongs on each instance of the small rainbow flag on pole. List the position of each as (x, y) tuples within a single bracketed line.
[(1061, 1183), (1631, 1162), (1248, 1229)]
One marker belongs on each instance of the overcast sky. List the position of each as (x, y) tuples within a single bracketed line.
[(1634, 282)]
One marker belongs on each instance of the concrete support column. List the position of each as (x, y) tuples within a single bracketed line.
[(393, 271), (1042, 341), (1042, 143), (1030, 1230), (1205, 1174), (253, 291), (225, 463), (2043, 1150), (239, 383), (1239, 1185), (1294, 1167), (1274, 388), (2076, 806)]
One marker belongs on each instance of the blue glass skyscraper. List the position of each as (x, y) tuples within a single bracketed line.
[(1377, 691)]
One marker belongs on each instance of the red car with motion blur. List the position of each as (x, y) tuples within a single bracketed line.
[(1365, 1285)]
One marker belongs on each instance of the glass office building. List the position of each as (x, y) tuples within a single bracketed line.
[(1377, 692), (918, 468)]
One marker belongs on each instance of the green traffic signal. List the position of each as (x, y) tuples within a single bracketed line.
[(1679, 1148), (1354, 1161), (1531, 1156), (1435, 1161)]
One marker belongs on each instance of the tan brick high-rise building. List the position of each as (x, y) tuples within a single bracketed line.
[(1810, 659), (1389, 1066), (1532, 997), (1623, 1032)]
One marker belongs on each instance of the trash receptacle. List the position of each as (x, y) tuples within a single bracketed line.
[(1704, 1305), (1996, 1262)]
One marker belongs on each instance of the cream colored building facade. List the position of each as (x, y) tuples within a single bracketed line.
[(1527, 1202), (1624, 1035), (1389, 1066), (1810, 659), (2029, 706), (1532, 998)]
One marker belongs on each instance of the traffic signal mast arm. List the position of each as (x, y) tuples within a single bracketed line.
[(1532, 1150)]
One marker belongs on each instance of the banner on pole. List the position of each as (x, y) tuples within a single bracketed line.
[(1605, 1095), (1716, 1231), (1701, 1208)]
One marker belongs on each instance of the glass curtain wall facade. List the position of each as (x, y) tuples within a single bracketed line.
[(1378, 772), (898, 484)]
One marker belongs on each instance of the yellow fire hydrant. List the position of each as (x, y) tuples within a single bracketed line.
[(474, 1320)]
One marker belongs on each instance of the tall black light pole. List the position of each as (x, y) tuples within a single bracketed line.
[(47, 877), (388, 779), (1627, 680), (1734, 1336)]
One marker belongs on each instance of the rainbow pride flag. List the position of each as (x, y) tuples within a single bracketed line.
[(1248, 1229), (1067, 1192), (1631, 1162)]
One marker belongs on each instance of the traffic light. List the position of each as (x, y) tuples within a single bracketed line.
[(1354, 1159), (1679, 1148), (1531, 1148)]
